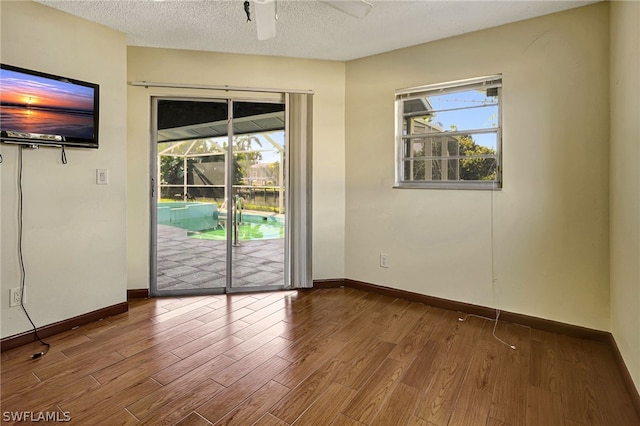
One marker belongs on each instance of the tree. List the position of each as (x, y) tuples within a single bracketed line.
[(482, 165), (245, 158)]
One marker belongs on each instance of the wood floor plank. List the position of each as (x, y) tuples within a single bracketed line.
[(230, 302), (195, 384), (474, 399), (361, 339), (223, 316), (43, 394), (25, 365), (308, 324), (399, 408), (326, 408), (212, 331), (309, 344), (112, 397), (177, 408), (275, 305), (342, 420), (251, 409), (440, 399), (194, 419), (258, 356), (222, 339), (19, 383), (20, 358), (417, 335), (495, 422), (357, 369), (368, 400), (424, 367), (307, 363), (115, 336), (250, 345), (227, 399), (391, 310), (585, 409), (253, 329), (187, 366), (509, 397), (543, 367), (614, 402), (268, 419), (120, 418), (298, 400), (400, 324), (77, 366), (543, 407), (165, 341), (185, 304), (184, 313), (145, 364)]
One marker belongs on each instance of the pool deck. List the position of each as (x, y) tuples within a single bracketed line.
[(189, 263)]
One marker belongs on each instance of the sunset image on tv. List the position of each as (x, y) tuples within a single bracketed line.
[(40, 105)]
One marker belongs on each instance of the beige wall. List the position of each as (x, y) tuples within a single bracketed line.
[(324, 78), (74, 231), (550, 222), (625, 182)]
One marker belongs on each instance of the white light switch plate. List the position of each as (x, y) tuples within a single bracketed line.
[(102, 176)]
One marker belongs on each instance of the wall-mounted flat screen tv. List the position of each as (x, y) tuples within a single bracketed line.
[(45, 109)]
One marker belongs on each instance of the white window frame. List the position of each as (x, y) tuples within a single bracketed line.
[(402, 95)]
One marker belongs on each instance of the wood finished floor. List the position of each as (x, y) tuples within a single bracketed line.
[(315, 357)]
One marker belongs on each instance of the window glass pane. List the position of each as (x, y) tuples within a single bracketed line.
[(171, 170), (206, 170), (472, 109), (465, 119), (479, 154), (462, 157), (450, 133), (414, 170), (478, 144), (459, 100), (480, 113), (420, 124), (483, 169)]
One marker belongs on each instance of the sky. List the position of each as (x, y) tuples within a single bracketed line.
[(37, 91), (475, 118)]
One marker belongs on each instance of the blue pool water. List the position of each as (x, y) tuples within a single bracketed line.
[(204, 221)]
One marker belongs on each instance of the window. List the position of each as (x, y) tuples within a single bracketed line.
[(449, 135)]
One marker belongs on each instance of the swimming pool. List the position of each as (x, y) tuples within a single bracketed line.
[(204, 221), (246, 231)]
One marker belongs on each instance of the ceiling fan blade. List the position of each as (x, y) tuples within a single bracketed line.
[(356, 8), (265, 18)]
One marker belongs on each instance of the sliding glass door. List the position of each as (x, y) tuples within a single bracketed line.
[(219, 196), (258, 191)]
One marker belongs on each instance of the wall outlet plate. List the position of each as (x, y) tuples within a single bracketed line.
[(14, 297)]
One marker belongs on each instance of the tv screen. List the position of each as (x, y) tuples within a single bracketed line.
[(44, 109)]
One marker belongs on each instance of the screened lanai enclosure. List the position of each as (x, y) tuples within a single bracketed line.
[(192, 167), (221, 203)]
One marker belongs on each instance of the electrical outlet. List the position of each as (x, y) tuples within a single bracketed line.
[(14, 297), (385, 260)]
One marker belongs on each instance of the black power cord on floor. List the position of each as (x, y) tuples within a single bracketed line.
[(21, 261)]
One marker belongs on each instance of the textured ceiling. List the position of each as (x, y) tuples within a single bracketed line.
[(305, 28)]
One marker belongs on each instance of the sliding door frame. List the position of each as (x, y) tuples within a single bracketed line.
[(289, 269)]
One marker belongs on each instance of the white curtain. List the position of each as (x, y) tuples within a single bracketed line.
[(299, 132)]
